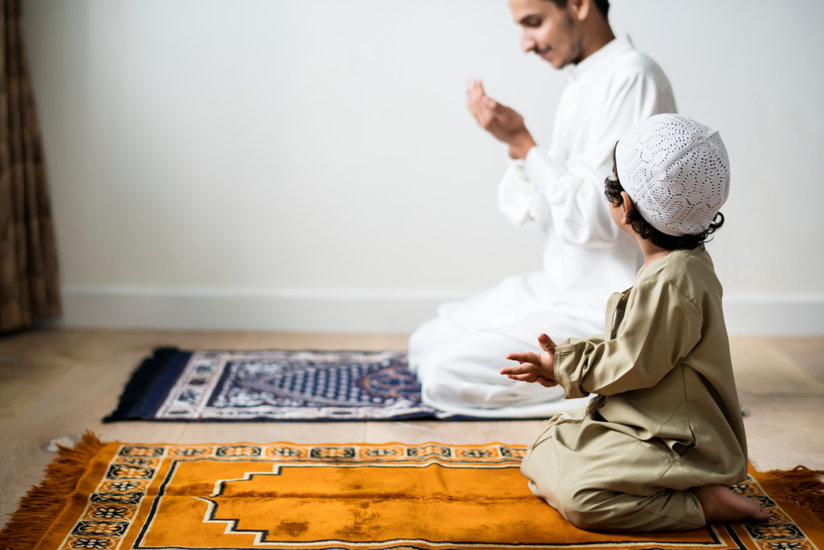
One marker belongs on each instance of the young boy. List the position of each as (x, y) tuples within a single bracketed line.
[(663, 435)]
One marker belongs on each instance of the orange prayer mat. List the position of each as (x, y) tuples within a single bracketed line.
[(341, 496)]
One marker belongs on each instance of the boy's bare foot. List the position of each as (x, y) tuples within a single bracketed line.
[(721, 505)]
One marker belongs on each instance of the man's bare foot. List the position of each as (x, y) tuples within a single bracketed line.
[(721, 505)]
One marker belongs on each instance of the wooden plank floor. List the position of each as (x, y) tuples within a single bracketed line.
[(60, 383)]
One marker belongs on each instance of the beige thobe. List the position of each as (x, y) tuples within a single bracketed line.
[(665, 417)]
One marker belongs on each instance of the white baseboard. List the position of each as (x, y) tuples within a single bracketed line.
[(355, 311)]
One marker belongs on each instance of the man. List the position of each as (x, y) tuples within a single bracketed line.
[(612, 88)]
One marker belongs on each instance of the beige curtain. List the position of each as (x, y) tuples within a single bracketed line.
[(29, 287)]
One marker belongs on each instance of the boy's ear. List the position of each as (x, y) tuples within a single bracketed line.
[(626, 205)]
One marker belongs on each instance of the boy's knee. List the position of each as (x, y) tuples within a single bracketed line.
[(583, 508), (573, 503), (584, 515)]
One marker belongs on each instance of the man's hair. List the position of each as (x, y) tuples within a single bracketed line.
[(602, 5), (613, 188)]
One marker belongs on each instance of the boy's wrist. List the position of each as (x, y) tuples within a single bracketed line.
[(557, 369), (551, 367)]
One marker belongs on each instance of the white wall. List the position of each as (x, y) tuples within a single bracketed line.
[(277, 164)]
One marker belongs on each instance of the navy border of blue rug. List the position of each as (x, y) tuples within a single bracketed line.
[(149, 385)]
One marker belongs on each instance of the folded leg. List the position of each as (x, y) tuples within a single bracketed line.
[(607, 481)]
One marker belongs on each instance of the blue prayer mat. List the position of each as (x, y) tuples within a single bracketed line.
[(274, 385)]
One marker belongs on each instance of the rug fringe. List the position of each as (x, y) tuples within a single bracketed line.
[(136, 387), (802, 487), (41, 505)]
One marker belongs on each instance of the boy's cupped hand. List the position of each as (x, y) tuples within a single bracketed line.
[(534, 367)]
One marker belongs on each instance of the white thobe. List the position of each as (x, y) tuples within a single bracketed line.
[(458, 355)]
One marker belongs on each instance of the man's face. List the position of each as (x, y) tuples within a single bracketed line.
[(549, 31)]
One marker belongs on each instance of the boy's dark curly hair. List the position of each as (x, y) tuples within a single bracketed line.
[(613, 188)]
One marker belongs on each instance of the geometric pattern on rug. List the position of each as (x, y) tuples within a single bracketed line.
[(273, 385), (354, 496)]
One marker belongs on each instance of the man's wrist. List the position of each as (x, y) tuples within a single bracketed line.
[(519, 147)]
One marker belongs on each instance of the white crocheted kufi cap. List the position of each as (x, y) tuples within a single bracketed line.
[(676, 171)]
